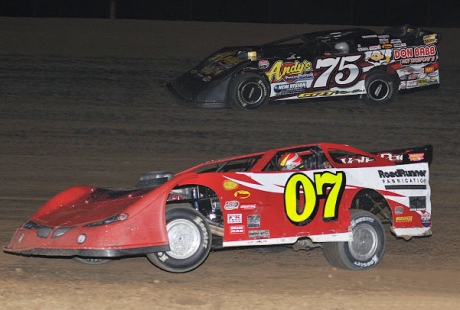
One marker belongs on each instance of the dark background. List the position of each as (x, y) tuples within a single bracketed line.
[(434, 13)]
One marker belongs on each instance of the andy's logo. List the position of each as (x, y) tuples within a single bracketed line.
[(288, 71)]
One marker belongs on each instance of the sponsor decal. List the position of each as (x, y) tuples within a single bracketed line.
[(430, 39), (263, 64), (392, 157), (403, 179), (399, 210), (402, 173), (207, 78), (292, 87), (417, 203), (422, 82), (426, 219), (231, 205), (403, 219), (234, 218), (230, 185), (254, 221), (428, 69), (242, 194), (236, 229), (226, 60), (288, 71), (416, 157), (411, 84), (259, 234), (374, 47), (248, 207), (362, 49), (378, 57), (414, 55), (356, 159), (329, 93), (387, 45)]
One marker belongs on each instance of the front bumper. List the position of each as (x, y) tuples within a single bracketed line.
[(194, 93), (112, 240)]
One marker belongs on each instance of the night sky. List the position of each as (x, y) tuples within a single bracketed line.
[(435, 13)]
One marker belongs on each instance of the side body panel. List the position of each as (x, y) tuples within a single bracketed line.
[(280, 207)]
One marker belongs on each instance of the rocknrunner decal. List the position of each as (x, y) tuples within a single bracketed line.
[(404, 179)]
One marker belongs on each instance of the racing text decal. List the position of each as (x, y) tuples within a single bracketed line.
[(302, 195)]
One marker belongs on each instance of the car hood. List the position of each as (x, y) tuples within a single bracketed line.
[(222, 61), (94, 205)]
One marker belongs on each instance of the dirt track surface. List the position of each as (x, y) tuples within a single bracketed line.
[(92, 109)]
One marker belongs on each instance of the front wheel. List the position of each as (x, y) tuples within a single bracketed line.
[(249, 91), (380, 88), (366, 249), (189, 237)]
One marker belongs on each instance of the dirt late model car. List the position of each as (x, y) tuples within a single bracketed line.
[(323, 64), (339, 198)]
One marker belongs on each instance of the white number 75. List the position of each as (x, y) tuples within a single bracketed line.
[(345, 69)]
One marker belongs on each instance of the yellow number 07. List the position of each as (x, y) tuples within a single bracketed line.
[(313, 191)]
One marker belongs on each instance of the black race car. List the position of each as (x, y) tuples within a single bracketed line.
[(313, 65)]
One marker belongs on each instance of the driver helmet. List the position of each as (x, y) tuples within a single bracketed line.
[(342, 48), (290, 161)]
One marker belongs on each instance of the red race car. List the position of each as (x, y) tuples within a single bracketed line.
[(324, 195)]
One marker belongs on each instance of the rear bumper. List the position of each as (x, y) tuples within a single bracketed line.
[(408, 233)]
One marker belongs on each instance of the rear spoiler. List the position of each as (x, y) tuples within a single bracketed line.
[(420, 154)]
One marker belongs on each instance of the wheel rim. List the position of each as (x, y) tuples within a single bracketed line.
[(365, 242), (252, 92), (378, 90), (184, 238)]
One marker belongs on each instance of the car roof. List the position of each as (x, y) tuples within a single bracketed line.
[(264, 157), (326, 36)]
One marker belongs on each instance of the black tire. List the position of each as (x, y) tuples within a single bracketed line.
[(91, 260), (380, 88), (367, 248), (249, 91), (190, 240)]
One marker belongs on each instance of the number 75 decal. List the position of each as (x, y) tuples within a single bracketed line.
[(344, 71), (302, 211)]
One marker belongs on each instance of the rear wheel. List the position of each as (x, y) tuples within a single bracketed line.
[(189, 237), (366, 249), (380, 88), (249, 91)]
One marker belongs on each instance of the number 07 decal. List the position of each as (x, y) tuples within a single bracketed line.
[(302, 195)]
